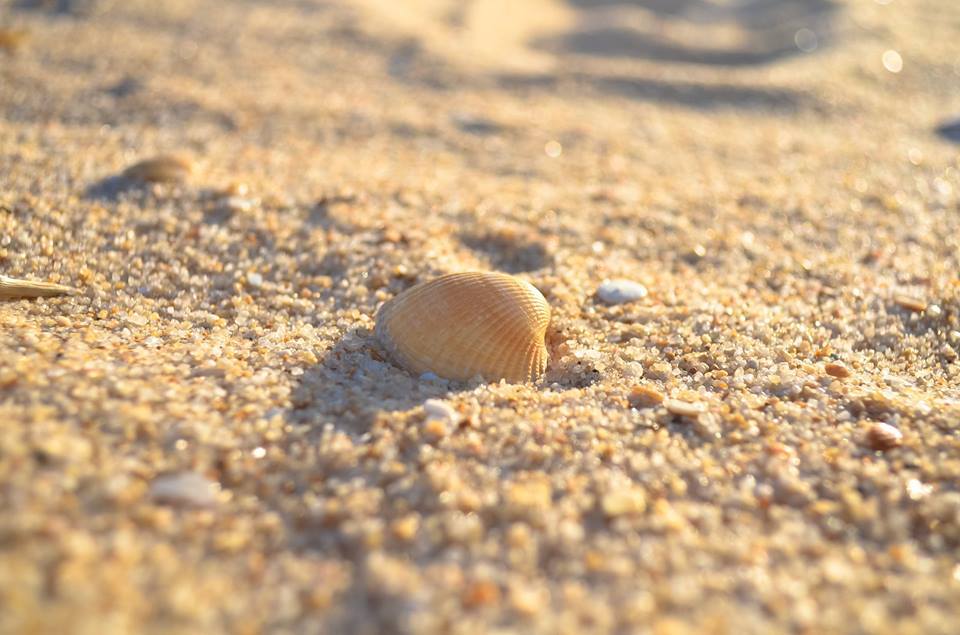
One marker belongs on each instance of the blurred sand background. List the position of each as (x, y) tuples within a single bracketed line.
[(207, 437)]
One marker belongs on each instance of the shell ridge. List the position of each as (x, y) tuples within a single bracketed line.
[(465, 324)]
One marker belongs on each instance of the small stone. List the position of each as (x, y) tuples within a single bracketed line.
[(440, 410), (836, 370), (645, 397), (621, 291), (883, 436), (185, 488), (623, 502), (405, 528), (11, 40), (238, 204), (910, 303), (526, 600), (479, 594), (435, 429), (948, 353), (254, 279), (235, 188), (684, 408)]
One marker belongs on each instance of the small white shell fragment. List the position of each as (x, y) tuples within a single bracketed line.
[(439, 409), (185, 488), (254, 279), (684, 408), (621, 291)]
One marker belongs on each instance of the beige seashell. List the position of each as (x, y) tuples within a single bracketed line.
[(162, 169), (462, 325), (17, 288)]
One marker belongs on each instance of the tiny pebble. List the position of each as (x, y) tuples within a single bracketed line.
[(645, 397), (621, 291), (184, 488), (883, 436), (254, 279), (440, 410), (238, 204), (622, 502), (836, 370), (684, 408)]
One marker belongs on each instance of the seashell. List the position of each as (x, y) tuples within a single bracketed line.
[(163, 169), (17, 288), (466, 324)]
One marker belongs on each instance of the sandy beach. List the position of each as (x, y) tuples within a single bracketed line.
[(207, 437)]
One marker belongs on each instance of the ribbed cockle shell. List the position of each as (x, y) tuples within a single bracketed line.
[(462, 325)]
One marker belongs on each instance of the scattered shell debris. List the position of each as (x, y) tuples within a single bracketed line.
[(18, 288), (169, 168), (910, 303), (185, 488), (883, 436), (467, 325), (621, 291)]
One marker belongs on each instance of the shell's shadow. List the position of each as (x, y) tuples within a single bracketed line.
[(112, 188), (356, 381), (950, 130)]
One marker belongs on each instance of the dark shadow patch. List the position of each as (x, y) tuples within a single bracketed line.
[(509, 251), (691, 94), (696, 95), (354, 383), (629, 43), (950, 130), (476, 125), (69, 7), (768, 30), (112, 188), (126, 87)]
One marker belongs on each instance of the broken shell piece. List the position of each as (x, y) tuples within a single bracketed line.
[(163, 169), (463, 325), (16, 288), (883, 436), (185, 489), (910, 303)]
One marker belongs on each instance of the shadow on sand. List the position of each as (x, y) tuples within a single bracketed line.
[(354, 383), (766, 29)]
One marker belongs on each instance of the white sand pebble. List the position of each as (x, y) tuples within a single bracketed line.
[(185, 488), (621, 291), (440, 410), (684, 408)]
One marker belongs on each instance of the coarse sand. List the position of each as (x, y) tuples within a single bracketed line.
[(207, 437)]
